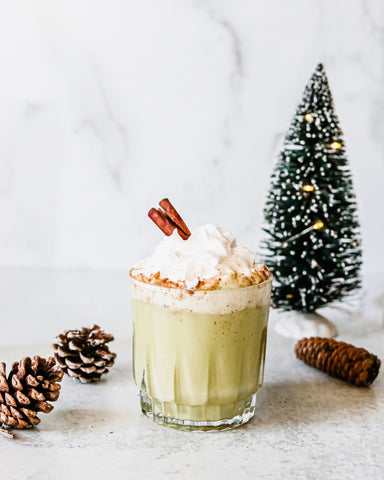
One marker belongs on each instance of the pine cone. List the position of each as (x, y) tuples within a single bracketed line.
[(339, 359), (84, 354), (26, 391)]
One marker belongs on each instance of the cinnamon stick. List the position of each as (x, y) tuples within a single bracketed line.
[(169, 219), (173, 214), (162, 221)]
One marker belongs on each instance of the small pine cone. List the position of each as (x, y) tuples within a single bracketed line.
[(339, 359), (30, 385), (84, 354)]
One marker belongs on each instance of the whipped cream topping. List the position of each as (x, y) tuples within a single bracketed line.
[(209, 253)]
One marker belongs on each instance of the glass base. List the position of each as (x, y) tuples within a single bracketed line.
[(164, 413)]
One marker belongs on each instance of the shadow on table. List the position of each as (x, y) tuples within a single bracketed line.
[(285, 403)]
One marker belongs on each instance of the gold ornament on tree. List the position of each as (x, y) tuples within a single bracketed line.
[(315, 226), (335, 145)]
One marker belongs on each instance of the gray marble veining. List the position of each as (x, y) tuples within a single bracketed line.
[(108, 108)]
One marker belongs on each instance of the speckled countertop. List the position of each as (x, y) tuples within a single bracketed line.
[(307, 425)]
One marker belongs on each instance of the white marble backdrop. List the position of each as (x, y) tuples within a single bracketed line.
[(107, 106)]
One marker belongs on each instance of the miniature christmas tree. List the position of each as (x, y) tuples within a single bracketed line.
[(312, 242)]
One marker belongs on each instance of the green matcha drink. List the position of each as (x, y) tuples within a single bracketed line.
[(198, 350)]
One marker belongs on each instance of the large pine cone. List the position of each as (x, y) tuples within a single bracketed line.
[(84, 354), (26, 391), (339, 359)]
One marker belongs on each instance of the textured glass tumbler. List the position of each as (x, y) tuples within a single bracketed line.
[(198, 356)]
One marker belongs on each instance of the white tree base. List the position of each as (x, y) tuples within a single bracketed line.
[(298, 325)]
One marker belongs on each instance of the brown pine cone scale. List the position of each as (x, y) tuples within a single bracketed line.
[(339, 359), (30, 385), (84, 354)]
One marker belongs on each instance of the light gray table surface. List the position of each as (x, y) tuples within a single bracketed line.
[(307, 425)]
